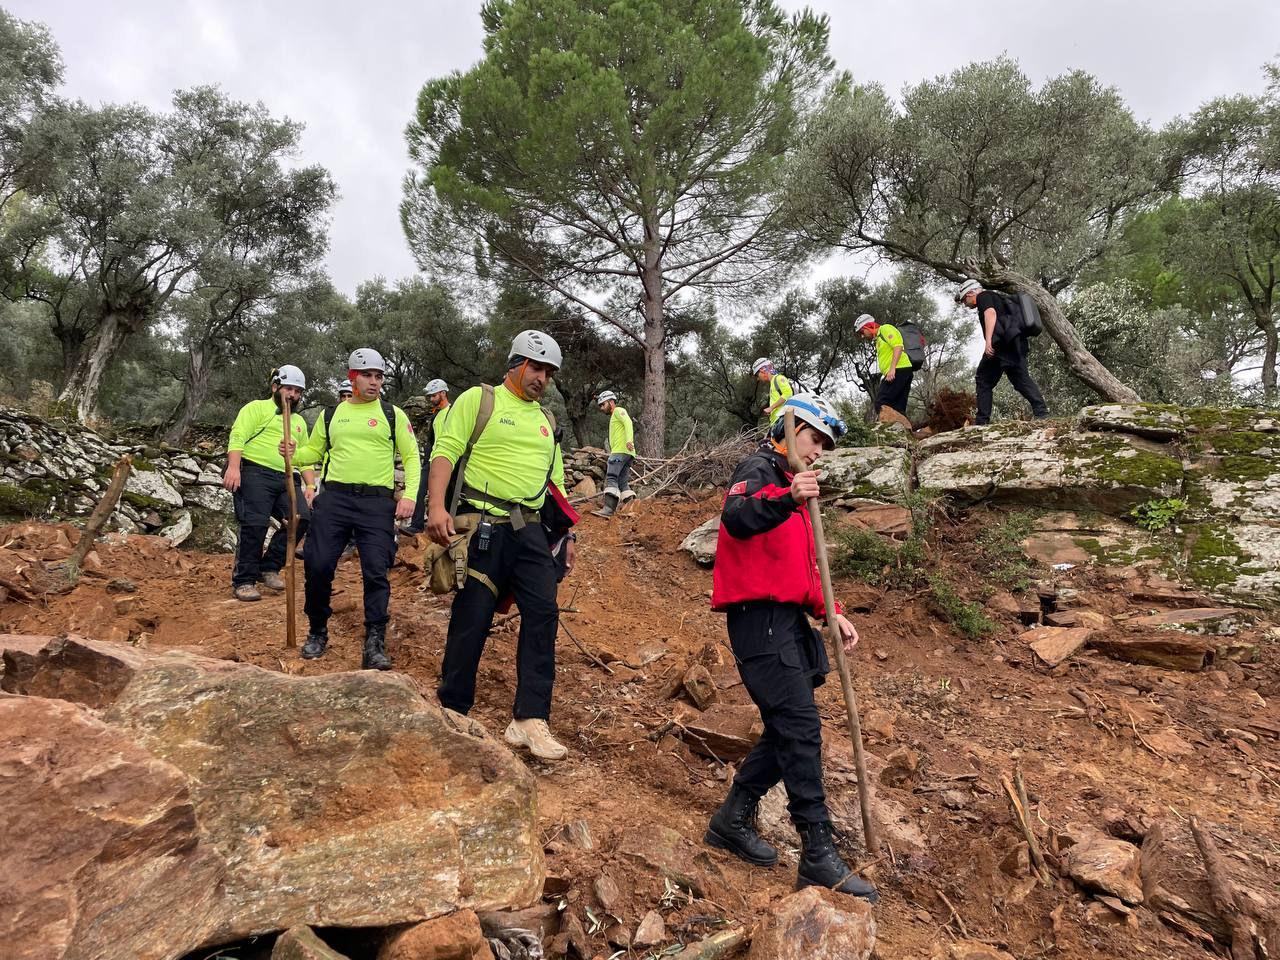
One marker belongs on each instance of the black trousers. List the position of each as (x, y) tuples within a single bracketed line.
[(519, 564), (1010, 361), (262, 495), (781, 660), (419, 521), (894, 393), (337, 517)]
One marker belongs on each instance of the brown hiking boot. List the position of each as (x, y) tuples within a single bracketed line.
[(246, 591), (273, 581), (536, 736)]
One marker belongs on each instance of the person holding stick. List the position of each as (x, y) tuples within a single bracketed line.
[(767, 581), (255, 475), (361, 438)]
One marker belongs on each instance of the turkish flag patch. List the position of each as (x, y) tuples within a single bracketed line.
[(738, 488), (546, 432), (373, 423)]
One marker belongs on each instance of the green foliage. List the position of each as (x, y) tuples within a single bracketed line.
[(1158, 514), (883, 562), (619, 153), (22, 501), (1000, 548), (965, 616)]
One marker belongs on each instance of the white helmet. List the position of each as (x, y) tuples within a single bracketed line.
[(816, 412), (345, 387), (760, 365), (535, 345), (290, 376), (605, 397), (862, 321), (366, 358), (966, 288), (435, 386)]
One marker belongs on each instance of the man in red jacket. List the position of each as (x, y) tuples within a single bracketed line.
[(766, 580)]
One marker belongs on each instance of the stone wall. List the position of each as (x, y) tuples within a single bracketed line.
[(50, 470)]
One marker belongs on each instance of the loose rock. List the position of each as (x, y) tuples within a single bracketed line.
[(815, 924)]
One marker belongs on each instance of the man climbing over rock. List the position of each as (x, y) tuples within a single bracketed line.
[(780, 388), (622, 451), (255, 477), (438, 396), (895, 367), (497, 445), (361, 437), (766, 581), (1004, 351)]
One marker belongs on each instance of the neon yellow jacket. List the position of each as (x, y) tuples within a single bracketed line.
[(512, 457), (258, 430), (622, 434), (779, 389), (888, 338), (360, 449)]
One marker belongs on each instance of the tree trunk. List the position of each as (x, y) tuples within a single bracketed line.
[(194, 392), (653, 421), (1267, 324), (85, 379), (1083, 365)]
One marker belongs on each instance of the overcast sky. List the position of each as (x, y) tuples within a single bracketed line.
[(351, 71)]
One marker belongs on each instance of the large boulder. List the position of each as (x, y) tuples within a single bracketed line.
[(339, 800), (701, 542), (880, 473), (99, 847), (814, 924), (151, 487), (1110, 472)]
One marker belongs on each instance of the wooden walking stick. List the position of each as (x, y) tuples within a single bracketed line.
[(869, 832), (290, 600)]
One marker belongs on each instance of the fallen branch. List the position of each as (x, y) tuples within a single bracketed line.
[(104, 508), (1017, 800), (715, 946), (1246, 942), (585, 652)]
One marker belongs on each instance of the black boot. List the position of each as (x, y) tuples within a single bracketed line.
[(375, 648), (822, 866), (733, 828), (317, 640)]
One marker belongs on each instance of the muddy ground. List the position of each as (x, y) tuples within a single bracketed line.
[(1099, 741)]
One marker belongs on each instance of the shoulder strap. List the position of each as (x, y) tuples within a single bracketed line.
[(389, 412), (483, 416), (551, 419), (328, 425)]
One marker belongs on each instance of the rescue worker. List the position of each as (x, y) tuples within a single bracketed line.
[(766, 581), (1001, 355), (622, 451), (504, 482), (255, 477), (361, 437), (895, 367), (344, 393), (438, 396), (780, 388)]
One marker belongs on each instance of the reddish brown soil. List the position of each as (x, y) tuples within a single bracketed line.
[(966, 707)]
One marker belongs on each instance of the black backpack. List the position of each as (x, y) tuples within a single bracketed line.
[(913, 344), (1023, 309)]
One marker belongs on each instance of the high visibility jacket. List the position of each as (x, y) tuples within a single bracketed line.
[(889, 338), (622, 435), (361, 449), (779, 389), (512, 458), (258, 430), (765, 548)]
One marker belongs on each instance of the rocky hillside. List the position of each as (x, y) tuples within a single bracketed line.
[(261, 806)]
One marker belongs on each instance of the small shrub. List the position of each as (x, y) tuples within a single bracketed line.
[(1000, 547), (1158, 514), (965, 616)]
